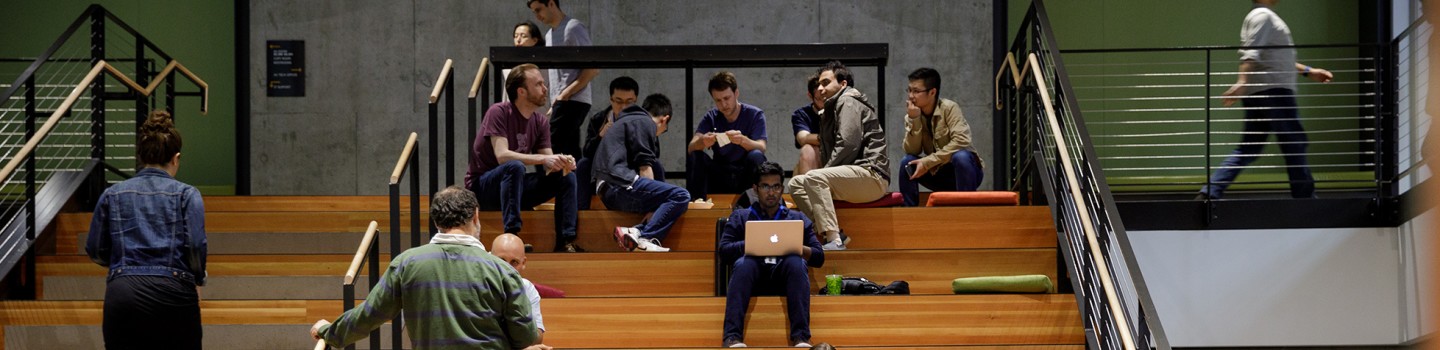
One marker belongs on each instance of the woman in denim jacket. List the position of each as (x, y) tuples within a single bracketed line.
[(150, 232)]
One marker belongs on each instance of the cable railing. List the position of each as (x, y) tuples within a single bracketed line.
[(1413, 104), (1051, 153), (1159, 125), (73, 84)]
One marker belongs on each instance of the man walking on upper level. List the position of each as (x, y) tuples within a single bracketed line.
[(1266, 84)]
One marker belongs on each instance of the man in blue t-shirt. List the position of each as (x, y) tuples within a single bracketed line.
[(735, 133), (803, 121)]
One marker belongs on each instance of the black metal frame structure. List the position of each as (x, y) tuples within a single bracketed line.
[(689, 58)]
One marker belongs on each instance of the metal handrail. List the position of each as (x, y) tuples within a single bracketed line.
[(369, 250), (407, 158), (444, 86), (1087, 226)]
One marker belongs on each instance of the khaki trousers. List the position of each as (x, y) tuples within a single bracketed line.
[(816, 192)]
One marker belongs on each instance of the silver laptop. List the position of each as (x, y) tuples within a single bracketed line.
[(774, 238)]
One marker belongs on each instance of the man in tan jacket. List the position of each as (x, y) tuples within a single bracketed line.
[(853, 165), (938, 151)]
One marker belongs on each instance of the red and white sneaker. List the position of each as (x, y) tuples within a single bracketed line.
[(627, 237)]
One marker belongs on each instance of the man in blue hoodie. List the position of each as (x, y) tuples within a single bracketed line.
[(625, 177)]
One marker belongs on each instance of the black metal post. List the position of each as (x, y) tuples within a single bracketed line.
[(449, 130), (349, 303), (142, 77), (470, 121), (394, 227), (1208, 94), (30, 114), (97, 88), (1387, 124), (434, 139), (170, 94), (373, 254), (415, 205)]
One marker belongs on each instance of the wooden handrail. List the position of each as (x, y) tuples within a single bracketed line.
[(1015, 72), (80, 88), (404, 158), (1081, 209), (440, 82), (320, 345), (479, 76), (174, 65), (360, 253)]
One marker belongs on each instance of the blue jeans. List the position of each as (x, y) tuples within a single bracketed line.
[(962, 173), (509, 189), (704, 174), (752, 275), (646, 195), (1284, 122), (584, 179)]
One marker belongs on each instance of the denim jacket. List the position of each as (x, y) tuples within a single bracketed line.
[(150, 225)]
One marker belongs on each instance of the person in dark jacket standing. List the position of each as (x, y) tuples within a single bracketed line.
[(625, 178), (786, 274), (150, 232)]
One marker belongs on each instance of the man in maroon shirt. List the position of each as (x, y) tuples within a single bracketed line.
[(514, 135)]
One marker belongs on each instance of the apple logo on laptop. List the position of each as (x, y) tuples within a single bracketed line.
[(774, 238)]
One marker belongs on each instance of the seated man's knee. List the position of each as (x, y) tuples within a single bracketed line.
[(756, 157), (744, 265), (809, 154), (963, 158)]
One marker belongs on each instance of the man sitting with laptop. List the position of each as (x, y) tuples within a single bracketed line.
[(770, 246)]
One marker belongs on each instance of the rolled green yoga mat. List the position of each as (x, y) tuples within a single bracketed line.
[(1003, 284)]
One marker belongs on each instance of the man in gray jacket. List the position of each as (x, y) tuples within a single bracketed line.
[(854, 167)]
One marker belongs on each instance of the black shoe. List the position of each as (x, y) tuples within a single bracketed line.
[(529, 248), (732, 343), (568, 247), (1202, 197)]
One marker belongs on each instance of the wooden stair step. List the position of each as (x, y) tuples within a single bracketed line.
[(1051, 319), (875, 228), (579, 275)]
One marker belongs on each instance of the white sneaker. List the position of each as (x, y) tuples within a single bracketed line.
[(649, 245), (837, 244), (803, 345), (739, 345), (627, 237)]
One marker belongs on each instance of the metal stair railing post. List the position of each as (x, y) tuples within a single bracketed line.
[(443, 87), (407, 158), (369, 250), (478, 90), (97, 91)]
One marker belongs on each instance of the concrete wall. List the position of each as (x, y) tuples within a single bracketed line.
[(1325, 287), (370, 64)]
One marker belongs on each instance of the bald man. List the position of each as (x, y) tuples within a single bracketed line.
[(511, 248)]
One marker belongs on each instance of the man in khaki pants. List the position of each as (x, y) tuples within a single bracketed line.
[(852, 154)]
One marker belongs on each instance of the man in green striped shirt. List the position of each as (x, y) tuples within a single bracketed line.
[(454, 294)]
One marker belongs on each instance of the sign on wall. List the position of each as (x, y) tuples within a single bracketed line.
[(285, 72)]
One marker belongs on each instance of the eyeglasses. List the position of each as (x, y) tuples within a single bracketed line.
[(771, 188), (916, 91)]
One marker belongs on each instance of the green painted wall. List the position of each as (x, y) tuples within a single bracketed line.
[(200, 34), (1109, 24)]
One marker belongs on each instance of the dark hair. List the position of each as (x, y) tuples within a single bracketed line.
[(158, 141), (811, 84), (841, 73), (542, 2), (822, 346), (534, 31), (452, 207), (657, 105), (930, 76), (723, 80), (769, 168), (516, 79), (624, 83)]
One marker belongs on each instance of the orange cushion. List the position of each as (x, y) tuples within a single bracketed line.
[(889, 200), (976, 198)]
